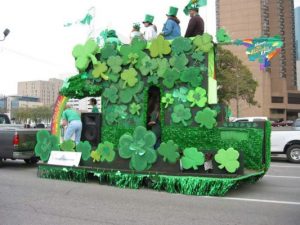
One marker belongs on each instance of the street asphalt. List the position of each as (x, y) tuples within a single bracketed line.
[(27, 199)]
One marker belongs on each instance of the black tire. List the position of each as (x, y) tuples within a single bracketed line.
[(31, 161), (1, 162), (293, 153)]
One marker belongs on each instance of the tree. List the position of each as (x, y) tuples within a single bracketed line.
[(235, 79)]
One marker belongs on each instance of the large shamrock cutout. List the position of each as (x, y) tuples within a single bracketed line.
[(192, 158), (135, 108), (222, 36), (45, 144), (130, 77), (180, 94), (159, 47), (179, 62), (181, 45), (68, 146), (115, 63), (114, 113), (85, 53), (181, 114), (206, 118), (228, 159), (167, 100), (170, 77), (95, 155), (108, 51), (133, 54), (192, 76), (198, 56), (139, 148), (153, 79), (127, 94), (99, 71), (106, 151), (111, 93), (163, 65), (169, 151), (203, 43), (85, 149), (197, 97), (148, 66)]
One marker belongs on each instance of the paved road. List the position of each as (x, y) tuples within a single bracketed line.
[(26, 199)]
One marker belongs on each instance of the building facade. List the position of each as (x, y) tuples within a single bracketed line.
[(46, 91), (9, 103), (297, 37), (277, 94)]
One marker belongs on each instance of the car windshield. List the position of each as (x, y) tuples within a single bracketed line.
[(296, 123)]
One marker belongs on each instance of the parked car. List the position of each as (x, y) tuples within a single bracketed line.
[(250, 119)]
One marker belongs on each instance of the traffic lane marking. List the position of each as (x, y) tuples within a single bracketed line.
[(287, 177), (278, 166)]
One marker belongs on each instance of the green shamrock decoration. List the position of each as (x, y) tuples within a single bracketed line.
[(84, 54), (135, 108), (106, 151), (95, 155), (197, 97), (203, 43), (111, 93), (152, 79), (114, 113), (113, 77), (202, 68), (169, 151), (198, 56), (181, 114), (99, 71), (192, 76), (206, 118), (45, 144), (159, 47), (180, 94), (138, 148), (108, 51), (222, 36), (115, 63), (68, 146), (126, 95), (179, 62), (167, 100), (192, 158), (181, 45), (228, 159), (85, 149), (163, 66), (129, 76), (170, 77), (148, 66), (133, 54)]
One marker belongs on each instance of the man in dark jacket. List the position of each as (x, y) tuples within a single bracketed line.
[(196, 23)]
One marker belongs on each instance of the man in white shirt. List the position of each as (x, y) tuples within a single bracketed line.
[(150, 32)]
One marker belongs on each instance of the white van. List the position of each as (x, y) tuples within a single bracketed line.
[(250, 119)]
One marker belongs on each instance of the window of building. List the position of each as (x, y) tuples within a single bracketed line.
[(293, 98), (277, 111), (277, 99)]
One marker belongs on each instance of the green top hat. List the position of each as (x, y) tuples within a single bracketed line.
[(172, 11), (194, 4), (136, 26), (148, 19), (112, 33)]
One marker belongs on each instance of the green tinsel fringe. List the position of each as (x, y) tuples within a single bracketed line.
[(173, 184)]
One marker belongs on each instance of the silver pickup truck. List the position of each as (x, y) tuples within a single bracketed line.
[(16, 142)]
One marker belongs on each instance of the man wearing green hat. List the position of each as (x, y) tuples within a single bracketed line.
[(150, 30), (171, 28), (196, 23)]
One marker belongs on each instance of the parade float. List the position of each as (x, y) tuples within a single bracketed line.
[(199, 151)]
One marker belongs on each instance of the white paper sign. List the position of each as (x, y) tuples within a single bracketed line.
[(64, 158)]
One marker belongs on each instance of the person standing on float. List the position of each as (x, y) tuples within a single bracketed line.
[(150, 32), (171, 28), (196, 23)]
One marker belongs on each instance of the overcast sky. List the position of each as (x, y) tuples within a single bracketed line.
[(39, 46)]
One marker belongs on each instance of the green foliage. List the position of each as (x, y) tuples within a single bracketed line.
[(108, 51), (169, 151), (192, 158), (68, 146), (159, 47), (99, 71), (130, 77), (206, 118), (180, 94), (167, 100), (138, 148), (85, 149), (38, 114), (111, 93), (135, 109), (181, 45), (203, 42), (127, 94), (179, 62), (45, 144), (84, 54), (197, 97), (115, 63), (228, 159), (181, 114), (170, 77), (106, 151), (192, 76), (95, 155), (222, 36), (148, 66)]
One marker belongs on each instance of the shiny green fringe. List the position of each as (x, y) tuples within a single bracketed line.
[(189, 185)]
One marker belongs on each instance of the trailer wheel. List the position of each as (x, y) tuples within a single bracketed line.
[(1, 162), (293, 153), (31, 161)]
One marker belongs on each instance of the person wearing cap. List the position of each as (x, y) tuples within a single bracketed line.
[(150, 32), (136, 33), (196, 23), (171, 28), (93, 103), (112, 37)]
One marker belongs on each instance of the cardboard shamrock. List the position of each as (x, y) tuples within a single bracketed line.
[(138, 148), (192, 76), (197, 97), (203, 43), (181, 45), (84, 54), (115, 63), (95, 155), (108, 51), (148, 66), (167, 100), (126, 95), (198, 56), (114, 113), (169, 151), (111, 94), (130, 77), (222, 36), (99, 71), (85, 149), (180, 94), (153, 79), (228, 159), (163, 66), (179, 62), (181, 114), (106, 151), (45, 144), (135, 108), (206, 118), (192, 158), (133, 54), (68, 146), (159, 47), (170, 77)]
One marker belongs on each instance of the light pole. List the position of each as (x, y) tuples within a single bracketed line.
[(5, 33)]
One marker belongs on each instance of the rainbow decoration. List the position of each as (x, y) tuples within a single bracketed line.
[(57, 113), (263, 49)]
